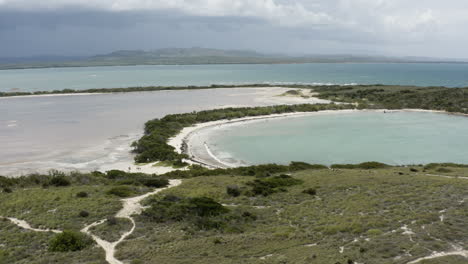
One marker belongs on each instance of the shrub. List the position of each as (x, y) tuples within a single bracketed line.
[(233, 190), (444, 170), (154, 182), (203, 212), (83, 214), (365, 165), (310, 191), (82, 195), (69, 241), (121, 191), (59, 181), (115, 174), (7, 190), (271, 185), (112, 221), (297, 166)]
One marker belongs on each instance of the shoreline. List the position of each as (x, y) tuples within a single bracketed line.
[(182, 141)]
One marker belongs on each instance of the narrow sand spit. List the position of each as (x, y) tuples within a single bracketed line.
[(131, 206)]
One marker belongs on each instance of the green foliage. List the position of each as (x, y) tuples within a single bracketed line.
[(365, 165), (450, 165), (69, 241), (60, 181), (400, 97), (201, 212), (84, 214), (267, 186), (82, 195), (233, 190), (154, 182), (310, 191), (121, 191)]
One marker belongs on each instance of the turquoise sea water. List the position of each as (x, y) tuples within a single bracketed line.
[(393, 138), (420, 74)]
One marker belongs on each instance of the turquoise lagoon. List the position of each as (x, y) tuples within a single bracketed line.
[(397, 138)]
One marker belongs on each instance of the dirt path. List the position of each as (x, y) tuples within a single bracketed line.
[(456, 252), (131, 206), (23, 224)]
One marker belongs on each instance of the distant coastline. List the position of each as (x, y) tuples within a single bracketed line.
[(195, 87), (203, 56)]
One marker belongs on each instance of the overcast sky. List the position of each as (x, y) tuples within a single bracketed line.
[(85, 27)]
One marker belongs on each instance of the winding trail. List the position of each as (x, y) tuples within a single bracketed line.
[(131, 206), (456, 252), (23, 224)]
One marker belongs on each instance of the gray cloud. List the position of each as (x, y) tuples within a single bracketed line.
[(395, 27)]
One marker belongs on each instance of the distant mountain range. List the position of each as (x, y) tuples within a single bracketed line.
[(190, 56)]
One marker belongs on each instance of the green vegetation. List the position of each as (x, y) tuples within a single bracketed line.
[(112, 229), (128, 89), (153, 145), (70, 241), (399, 97), (270, 185), (364, 165), (311, 213), (365, 211)]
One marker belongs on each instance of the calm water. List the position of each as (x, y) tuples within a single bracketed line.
[(393, 138), (451, 75), (91, 131)]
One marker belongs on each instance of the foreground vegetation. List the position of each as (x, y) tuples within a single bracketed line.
[(302, 213)]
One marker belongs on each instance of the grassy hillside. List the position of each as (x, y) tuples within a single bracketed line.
[(387, 215)]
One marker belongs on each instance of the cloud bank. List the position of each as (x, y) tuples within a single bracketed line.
[(418, 27)]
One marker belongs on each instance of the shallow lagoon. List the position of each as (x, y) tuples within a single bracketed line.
[(395, 138), (91, 132)]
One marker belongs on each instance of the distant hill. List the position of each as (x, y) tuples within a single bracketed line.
[(189, 56)]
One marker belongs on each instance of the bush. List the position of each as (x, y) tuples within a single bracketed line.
[(444, 170), (112, 221), (59, 181), (83, 214), (310, 191), (115, 174), (154, 182), (82, 195), (7, 190), (69, 241), (121, 191), (272, 185), (201, 211), (233, 190), (297, 166), (365, 165)]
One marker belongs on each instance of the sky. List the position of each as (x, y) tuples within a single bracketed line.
[(430, 28)]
